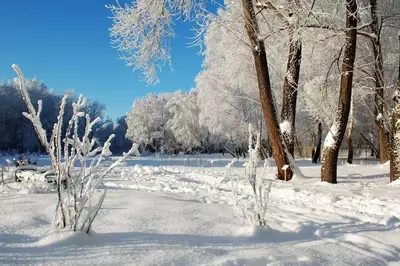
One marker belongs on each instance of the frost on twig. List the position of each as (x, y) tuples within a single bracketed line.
[(255, 210), (80, 164), (142, 31)]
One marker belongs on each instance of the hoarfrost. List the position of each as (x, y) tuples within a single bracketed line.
[(285, 126)]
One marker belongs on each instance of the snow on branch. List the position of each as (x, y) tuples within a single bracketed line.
[(141, 31)]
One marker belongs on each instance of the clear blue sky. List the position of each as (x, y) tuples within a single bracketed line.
[(66, 44)]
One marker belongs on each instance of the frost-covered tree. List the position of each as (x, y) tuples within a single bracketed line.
[(184, 121), (142, 30), (147, 123), (227, 85)]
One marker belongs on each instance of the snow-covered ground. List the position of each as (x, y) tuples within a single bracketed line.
[(178, 211)]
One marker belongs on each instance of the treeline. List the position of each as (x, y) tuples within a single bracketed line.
[(17, 134)]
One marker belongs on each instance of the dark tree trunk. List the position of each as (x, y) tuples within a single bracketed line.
[(337, 131), (395, 133), (395, 142), (317, 155), (314, 144), (383, 135), (350, 148), (265, 91), (290, 86), (350, 127)]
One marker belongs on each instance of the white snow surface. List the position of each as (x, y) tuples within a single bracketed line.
[(178, 211)]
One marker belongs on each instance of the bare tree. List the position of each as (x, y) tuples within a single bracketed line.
[(337, 131), (291, 80), (279, 151), (383, 134)]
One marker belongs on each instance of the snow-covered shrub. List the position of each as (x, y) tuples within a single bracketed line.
[(35, 186), (76, 158), (255, 210)]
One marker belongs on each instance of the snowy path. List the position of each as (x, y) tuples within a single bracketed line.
[(183, 216)]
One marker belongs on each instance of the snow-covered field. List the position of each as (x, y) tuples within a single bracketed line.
[(178, 211)]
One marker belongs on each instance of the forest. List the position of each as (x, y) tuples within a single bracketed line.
[(319, 74)]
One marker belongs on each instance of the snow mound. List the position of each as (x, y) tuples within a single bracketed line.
[(151, 170), (267, 261), (395, 183), (66, 238)]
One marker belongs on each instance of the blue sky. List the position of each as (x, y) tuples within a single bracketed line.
[(66, 44)]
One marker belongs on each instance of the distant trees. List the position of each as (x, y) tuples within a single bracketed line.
[(17, 135), (168, 123), (147, 123)]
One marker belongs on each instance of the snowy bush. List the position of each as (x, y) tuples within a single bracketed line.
[(35, 186), (255, 210), (76, 158)]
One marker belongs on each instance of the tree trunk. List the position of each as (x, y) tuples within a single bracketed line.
[(350, 127), (383, 135), (317, 155), (314, 144), (395, 143), (395, 133), (335, 136), (265, 91), (350, 145), (290, 86)]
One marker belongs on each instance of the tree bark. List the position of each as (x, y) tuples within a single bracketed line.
[(395, 143), (317, 156), (350, 127), (314, 145), (350, 145), (290, 86), (383, 135), (265, 91), (395, 133), (338, 129)]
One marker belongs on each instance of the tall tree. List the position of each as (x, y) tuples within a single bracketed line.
[(291, 80), (376, 26), (336, 133), (395, 132), (264, 85)]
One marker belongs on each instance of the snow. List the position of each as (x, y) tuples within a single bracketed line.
[(330, 139), (285, 126), (178, 210), (379, 117)]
